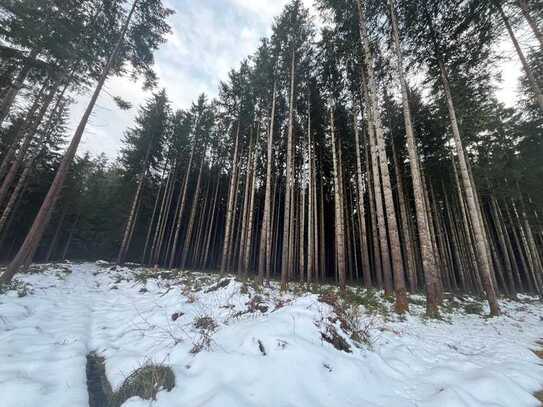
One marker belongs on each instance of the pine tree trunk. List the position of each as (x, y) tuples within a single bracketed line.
[(338, 205), (377, 264), (20, 131), (427, 254), (56, 235), (194, 209), (402, 304), (29, 130), (14, 197), (483, 261), (206, 259), (70, 237), (287, 222), (245, 206), (264, 254), (152, 220), (232, 193), (311, 203), (163, 224), (9, 96), (125, 244), (38, 227), (533, 81), (250, 221), (409, 250), (366, 272), (180, 209)]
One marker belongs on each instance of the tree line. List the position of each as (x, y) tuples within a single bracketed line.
[(370, 149)]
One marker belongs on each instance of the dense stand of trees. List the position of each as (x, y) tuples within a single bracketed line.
[(370, 149)]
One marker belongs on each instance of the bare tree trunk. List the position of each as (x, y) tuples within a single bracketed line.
[(125, 244), (232, 192), (156, 250), (427, 254), (180, 209), (409, 250), (194, 209), (373, 214), (38, 227), (14, 197), (339, 236), (250, 221), (211, 224), (483, 261), (366, 272), (402, 304), (56, 235), (311, 202), (533, 81), (20, 131), (9, 96), (29, 129), (264, 254), (70, 237), (287, 223), (152, 220)]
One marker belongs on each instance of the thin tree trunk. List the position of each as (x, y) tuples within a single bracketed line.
[(70, 236), (29, 130), (194, 209), (366, 272), (9, 96), (311, 203), (402, 304), (409, 250), (533, 81), (125, 244), (14, 197), (483, 261), (151, 221), (56, 235), (264, 254), (287, 222), (38, 227), (338, 205), (232, 192), (178, 219), (250, 221), (211, 224), (427, 254)]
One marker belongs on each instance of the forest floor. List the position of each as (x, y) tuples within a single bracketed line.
[(231, 343)]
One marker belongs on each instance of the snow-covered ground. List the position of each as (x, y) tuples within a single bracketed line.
[(230, 344)]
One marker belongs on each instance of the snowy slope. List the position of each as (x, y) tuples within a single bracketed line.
[(257, 349)]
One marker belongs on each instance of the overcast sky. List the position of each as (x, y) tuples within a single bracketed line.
[(208, 39)]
